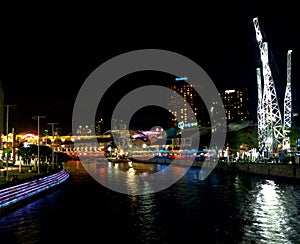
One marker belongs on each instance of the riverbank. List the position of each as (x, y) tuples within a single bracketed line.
[(269, 169), (285, 170), (29, 186), (221, 165), (15, 176)]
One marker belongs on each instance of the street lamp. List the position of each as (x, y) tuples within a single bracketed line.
[(7, 117), (38, 117), (52, 142)]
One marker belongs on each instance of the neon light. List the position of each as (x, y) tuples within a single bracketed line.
[(22, 191), (229, 91), (181, 78), (29, 135), (182, 125)]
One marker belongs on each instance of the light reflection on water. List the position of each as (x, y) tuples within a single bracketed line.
[(273, 214), (134, 178), (224, 208)]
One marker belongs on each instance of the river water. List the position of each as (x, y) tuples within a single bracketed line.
[(223, 208)]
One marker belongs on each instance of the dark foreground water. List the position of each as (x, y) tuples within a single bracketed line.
[(224, 208)]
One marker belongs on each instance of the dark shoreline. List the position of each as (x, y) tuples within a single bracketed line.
[(291, 171)]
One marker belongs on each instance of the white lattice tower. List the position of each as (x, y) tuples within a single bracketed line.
[(273, 119), (261, 125), (287, 122)]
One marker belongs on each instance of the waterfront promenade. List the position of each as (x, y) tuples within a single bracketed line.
[(17, 177), (21, 187)]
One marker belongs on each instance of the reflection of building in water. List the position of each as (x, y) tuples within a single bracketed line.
[(133, 168), (191, 97)]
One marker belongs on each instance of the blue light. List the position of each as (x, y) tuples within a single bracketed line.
[(181, 78), (17, 193)]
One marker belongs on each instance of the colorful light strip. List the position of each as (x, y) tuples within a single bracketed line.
[(17, 193)]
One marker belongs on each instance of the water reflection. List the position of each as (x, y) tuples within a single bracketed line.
[(146, 208), (271, 214), (135, 178), (223, 208)]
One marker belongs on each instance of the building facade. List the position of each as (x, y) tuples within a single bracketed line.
[(236, 105), (180, 116)]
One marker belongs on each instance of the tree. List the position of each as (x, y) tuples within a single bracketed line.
[(294, 136), (246, 136), (32, 150)]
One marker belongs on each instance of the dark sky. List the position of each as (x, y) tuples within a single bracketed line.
[(45, 56)]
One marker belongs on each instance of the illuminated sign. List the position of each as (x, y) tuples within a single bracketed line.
[(181, 78), (229, 91), (182, 125), (29, 135)]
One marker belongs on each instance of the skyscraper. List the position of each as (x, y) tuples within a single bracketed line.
[(236, 104), (180, 117)]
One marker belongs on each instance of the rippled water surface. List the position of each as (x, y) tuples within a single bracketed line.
[(223, 208)]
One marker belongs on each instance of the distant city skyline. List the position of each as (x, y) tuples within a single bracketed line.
[(44, 78)]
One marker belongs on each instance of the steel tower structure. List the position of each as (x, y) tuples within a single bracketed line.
[(287, 121), (271, 121), (260, 112)]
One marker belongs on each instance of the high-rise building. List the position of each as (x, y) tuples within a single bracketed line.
[(236, 105), (181, 118)]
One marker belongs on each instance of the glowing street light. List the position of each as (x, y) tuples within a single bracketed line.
[(38, 117), (52, 142), (7, 117)]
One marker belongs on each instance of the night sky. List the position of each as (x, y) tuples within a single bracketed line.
[(45, 57)]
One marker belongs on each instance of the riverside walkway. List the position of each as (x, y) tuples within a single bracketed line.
[(15, 176), (28, 185)]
